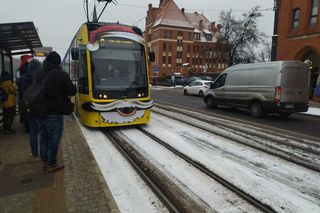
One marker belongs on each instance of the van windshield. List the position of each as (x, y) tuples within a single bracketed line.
[(220, 81)]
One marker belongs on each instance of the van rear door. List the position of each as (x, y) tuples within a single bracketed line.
[(295, 83)]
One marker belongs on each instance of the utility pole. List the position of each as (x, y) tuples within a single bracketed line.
[(276, 9)]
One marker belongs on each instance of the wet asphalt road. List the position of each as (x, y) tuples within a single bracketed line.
[(297, 124)]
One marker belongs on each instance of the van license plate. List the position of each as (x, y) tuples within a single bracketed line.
[(289, 106)]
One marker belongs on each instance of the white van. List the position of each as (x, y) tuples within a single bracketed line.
[(271, 87)]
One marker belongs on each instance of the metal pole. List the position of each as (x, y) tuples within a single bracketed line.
[(2, 61), (275, 31), (87, 10)]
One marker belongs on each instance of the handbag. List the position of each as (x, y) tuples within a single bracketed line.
[(68, 107)]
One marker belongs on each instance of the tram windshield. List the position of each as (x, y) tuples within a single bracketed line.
[(119, 65)]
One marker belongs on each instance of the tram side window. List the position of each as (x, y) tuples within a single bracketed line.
[(82, 73)]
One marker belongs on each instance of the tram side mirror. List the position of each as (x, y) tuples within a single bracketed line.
[(75, 53), (152, 56)]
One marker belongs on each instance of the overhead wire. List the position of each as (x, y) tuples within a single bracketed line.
[(197, 9)]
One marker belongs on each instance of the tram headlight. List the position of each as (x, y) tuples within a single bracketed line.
[(100, 95), (140, 95), (105, 96)]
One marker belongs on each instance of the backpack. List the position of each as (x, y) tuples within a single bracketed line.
[(3, 95), (34, 101)]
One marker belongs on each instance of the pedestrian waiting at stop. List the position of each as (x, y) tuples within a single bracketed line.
[(58, 88), (9, 106), (24, 83)]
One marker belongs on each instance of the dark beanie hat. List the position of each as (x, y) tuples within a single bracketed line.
[(53, 58)]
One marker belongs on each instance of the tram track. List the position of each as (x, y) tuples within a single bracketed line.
[(173, 197), (178, 196), (299, 151), (253, 201)]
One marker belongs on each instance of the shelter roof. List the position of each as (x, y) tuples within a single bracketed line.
[(19, 36)]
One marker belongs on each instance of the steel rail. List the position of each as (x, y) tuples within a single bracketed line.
[(165, 192), (267, 129), (288, 156), (253, 201)]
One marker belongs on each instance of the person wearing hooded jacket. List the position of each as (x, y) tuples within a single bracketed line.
[(24, 81), (32, 122), (9, 106), (58, 87)]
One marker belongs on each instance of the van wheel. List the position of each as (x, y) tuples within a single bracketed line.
[(185, 92), (256, 110), (201, 93), (210, 102), (284, 114)]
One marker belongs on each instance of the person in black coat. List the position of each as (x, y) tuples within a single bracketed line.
[(58, 88), (25, 82)]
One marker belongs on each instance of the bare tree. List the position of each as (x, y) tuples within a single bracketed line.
[(241, 35), (263, 52)]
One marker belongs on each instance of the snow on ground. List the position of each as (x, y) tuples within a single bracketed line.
[(129, 191), (201, 185), (285, 186), (313, 111)]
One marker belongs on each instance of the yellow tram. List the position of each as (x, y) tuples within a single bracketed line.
[(108, 64)]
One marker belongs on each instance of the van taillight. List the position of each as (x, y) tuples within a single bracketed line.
[(277, 94)]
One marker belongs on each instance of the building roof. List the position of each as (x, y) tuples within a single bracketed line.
[(19, 36), (169, 14), (194, 19)]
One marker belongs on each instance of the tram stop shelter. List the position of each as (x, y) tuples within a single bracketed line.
[(16, 39)]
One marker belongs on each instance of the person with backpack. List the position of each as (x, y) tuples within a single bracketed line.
[(58, 88), (24, 84), (9, 106)]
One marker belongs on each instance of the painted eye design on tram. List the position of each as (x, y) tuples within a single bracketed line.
[(121, 111)]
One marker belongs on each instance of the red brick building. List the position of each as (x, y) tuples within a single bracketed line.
[(299, 33), (183, 42)]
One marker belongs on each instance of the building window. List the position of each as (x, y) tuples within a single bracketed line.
[(188, 48), (170, 34), (189, 35), (169, 59), (180, 33), (179, 54), (295, 18), (164, 47), (179, 43), (209, 37), (314, 12), (170, 47), (197, 36), (164, 59)]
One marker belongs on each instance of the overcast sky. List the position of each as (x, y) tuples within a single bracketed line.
[(58, 20)]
